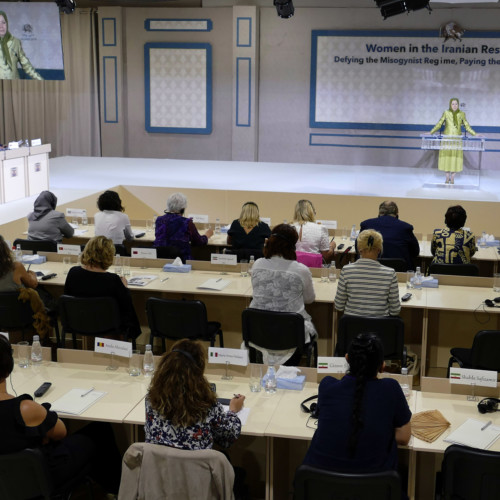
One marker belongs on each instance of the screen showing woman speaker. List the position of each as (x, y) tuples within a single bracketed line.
[(30, 41)]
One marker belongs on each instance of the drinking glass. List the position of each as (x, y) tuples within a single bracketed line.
[(325, 269), (255, 378), (23, 354), (496, 282), (134, 363), (66, 264), (244, 268), (410, 276)]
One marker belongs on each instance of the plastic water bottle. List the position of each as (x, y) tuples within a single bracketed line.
[(217, 226), (18, 253), (332, 276), (251, 262), (36, 351), (404, 386), (353, 232), (417, 281), (148, 363), (270, 381)]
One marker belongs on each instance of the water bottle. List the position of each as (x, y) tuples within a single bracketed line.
[(18, 253), (404, 386), (417, 281), (270, 381), (482, 241), (353, 232), (36, 351), (118, 264), (251, 262), (148, 363), (217, 226), (332, 275)]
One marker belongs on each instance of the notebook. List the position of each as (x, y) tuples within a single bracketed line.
[(470, 434)]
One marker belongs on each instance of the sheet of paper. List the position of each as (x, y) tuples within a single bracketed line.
[(74, 403), (81, 232), (470, 434), (142, 280), (214, 284), (243, 414)]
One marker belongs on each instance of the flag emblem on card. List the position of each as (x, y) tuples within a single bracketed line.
[(322, 366), (100, 344)]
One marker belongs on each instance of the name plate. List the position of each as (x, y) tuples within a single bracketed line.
[(76, 212), (111, 346), (69, 249), (199, 218), (267, 220), (329, 224), (223, 355), (222, 258), (36, 142), (467, 376), (13, 145), (332, 364), (143, 253)]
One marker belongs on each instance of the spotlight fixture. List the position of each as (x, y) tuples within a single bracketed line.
[(284, 8), (389, 8), (66, 6)]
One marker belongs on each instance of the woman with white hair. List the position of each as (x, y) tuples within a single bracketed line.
[(175, 230)]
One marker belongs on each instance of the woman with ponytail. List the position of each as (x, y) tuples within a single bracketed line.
[(362, 418)]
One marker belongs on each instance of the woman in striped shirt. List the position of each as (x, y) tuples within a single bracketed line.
[(366, 287)]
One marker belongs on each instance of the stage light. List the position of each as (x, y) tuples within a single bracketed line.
[(389, 8), (284, 8), (66, 6)]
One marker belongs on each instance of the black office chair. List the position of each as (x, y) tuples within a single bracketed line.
[(276, 331), (399, 265), (120, 250), (181, 319), (244, 253), (36, 245), (454, 269), (90, 316), (483, 355), (390, 329), (17, 315), (311, 483), (25, 474), (470, 473), (169, 253)]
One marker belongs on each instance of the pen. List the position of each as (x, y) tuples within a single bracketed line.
[(92, 388), (29, 265), (220, 279), (165, 279), (485, 425)]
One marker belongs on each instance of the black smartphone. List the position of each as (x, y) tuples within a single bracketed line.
[(341, 246), (406, 297)]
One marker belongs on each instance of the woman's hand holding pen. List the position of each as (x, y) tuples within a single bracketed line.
[(236, 404)]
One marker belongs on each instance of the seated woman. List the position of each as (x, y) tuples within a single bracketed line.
[(182, 410), (111, 221), (175, 230), (45, 223), (280, 283), (362, 419), (13, 275), (92, 280), (366, 287), (312, 237), (453, 245), (248, 232), (26, 424)]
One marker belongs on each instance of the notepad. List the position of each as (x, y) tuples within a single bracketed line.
[(74, 404), (243, 414), (142, 280), (214, 284), (470, 434)]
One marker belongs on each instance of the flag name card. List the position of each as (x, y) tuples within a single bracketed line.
[(221, 258), (143, 253), (223, 355), (329, 224), (69, 249), (467, 376), (332, 364), (200, 218), (76, 212), (111, 346)]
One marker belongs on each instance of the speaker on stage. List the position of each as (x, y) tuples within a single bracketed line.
[(389, 8)]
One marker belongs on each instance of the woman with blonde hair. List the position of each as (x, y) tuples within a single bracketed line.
[(312, 237), (91, 279), (366, 287), (248, 231)]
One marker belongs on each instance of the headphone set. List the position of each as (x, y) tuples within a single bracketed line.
[(313, 409), (492, 303), (488, 405)]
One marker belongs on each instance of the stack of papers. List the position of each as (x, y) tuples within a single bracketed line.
[(214, 284), (76, 401), (475, 433), (142, 280)]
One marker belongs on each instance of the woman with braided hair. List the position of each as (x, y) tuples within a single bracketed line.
[(362, 418)]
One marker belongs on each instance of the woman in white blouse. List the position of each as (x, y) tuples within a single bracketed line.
[(312, 237), (282, 284), (111, 221)]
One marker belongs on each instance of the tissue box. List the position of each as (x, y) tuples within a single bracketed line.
[(492, 243), (170, 268), (34, 259), (296, 384), (433, 283)]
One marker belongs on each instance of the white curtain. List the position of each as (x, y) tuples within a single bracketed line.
[(62, 113)]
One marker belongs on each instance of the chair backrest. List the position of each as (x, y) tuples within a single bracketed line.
[(399, 265), (120, 249), (166, 472), (14, 314), (36, 245), (390, 329), (273, 330), (310, 259), (24, 474), (168, 252), (454, 269), (176, 319), (470, 473), (318, 484), (485, 352), (89, 315)]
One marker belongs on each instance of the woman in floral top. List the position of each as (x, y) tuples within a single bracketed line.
[(181, 409)]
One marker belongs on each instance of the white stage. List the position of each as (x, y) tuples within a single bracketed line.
[(72, 178)]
